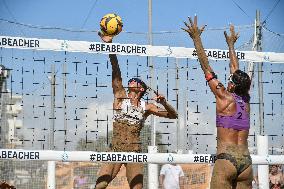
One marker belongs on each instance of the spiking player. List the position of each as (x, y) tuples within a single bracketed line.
[(130, 112)]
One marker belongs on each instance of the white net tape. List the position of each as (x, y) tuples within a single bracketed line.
[(132, 49)]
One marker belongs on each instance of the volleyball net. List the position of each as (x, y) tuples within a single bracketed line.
[(60, 90)]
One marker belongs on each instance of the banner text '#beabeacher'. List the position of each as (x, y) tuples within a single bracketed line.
[(117, 48)]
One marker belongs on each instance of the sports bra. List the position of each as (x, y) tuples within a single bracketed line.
[(130, 113), (239, 121)]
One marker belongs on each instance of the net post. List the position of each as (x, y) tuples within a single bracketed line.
[(153, 173), (262, 150), (51, 175)]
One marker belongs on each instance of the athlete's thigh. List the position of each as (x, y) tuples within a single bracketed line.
[(244, 180), (134, 174), (110, 169), (223, 175)]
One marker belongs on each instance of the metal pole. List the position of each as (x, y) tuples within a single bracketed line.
[(262, 140), (51, 164), (4, 130), (64, 101), (150, 36), (178, 126), (263, 173), (260, 66), (152, 168), (250, 69), (185, 123), (151, 69), (52, 118), (51, 183)]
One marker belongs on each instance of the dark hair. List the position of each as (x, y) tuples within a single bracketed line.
[(141, 83), (242, 84)]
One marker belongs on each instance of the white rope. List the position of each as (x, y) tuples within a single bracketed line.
[(124, 157), (133, 49)]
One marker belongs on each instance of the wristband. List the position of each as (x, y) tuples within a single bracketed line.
[(210, 76)]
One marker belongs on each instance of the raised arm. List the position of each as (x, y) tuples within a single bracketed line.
[(231, 39), (194, 32), (118, 90), (168, 111)]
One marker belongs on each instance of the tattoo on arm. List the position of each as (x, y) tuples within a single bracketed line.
[(219, 86)]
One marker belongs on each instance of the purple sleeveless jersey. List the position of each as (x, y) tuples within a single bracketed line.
[(239, 121)]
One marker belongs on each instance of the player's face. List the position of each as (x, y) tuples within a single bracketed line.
[(231, 85), (134, 86), (274, 169)]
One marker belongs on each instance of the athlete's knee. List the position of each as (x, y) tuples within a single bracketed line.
[(101, 185), (103, 181), (136, 182)]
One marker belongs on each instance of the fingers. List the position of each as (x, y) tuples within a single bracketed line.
[(161, 100), (149, 88), (232, 29), (189, 28), (202, 28), (157, 93), (189, 18), (238, 35), (186, 24), (105, 38), (184, 29), (195, 20), (192, 28), (158, 98), (102, 36), (154, 98), (233, 36), (225, 34)]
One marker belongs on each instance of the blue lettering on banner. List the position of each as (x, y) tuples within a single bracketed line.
[(205, 159), (266, 57), (10, 154), (170, 158), (65, 156), (102, 157), (13, 42), (64, 45)]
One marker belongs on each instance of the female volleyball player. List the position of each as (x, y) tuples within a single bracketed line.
[(233, 166), (130, 111)]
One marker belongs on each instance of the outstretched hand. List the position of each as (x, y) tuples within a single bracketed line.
[(105, 38), (231, 39), (160, 99), (192, 28)]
